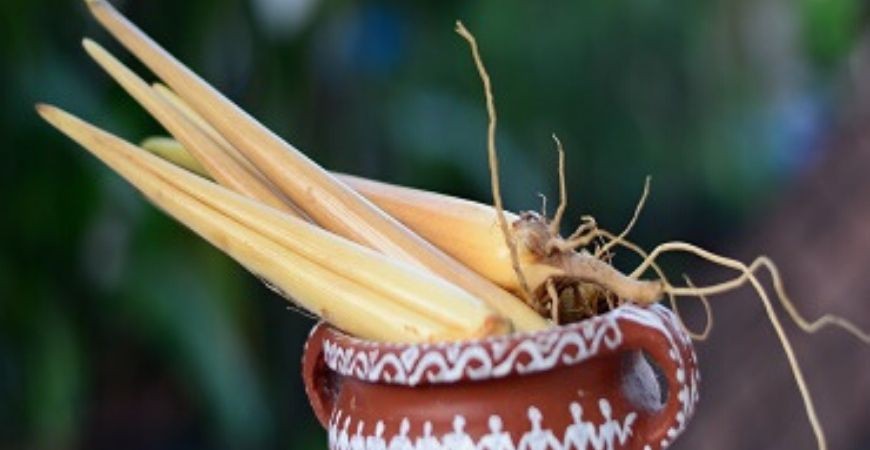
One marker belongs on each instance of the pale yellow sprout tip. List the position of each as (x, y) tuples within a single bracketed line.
[(52, 114), (94, 49), (48, 112), (89, 44), (57, 117)]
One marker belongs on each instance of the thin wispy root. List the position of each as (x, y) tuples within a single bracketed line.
[(492, 154), (747, 275)]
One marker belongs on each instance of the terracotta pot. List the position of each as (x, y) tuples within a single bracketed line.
[(584, 385)]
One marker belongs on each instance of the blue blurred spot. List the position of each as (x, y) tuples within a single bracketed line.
[(375, 41), (796, 128)]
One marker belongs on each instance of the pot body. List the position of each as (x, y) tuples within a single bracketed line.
[(627, 379)]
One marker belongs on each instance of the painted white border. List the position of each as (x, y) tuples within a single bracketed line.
[(490, 358)]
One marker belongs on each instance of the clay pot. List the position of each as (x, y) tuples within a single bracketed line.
[(594, 384)]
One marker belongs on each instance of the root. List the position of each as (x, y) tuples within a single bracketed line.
[(577, 239), (793, 362), (587, 225), (634, 217), (582, 237), (586, 268), (588, 230), (747, 274), (554, 300), (543, 204), (827, 320), (556, 223), (669, 290), (708, 324), (509, 238), (816, 325)]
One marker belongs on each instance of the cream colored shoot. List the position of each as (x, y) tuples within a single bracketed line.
[(219, 164), (326, 200), (434, 216), (358, 290), (171, 150), (196, 119), (259, 187), (480, 244), (167, 94)]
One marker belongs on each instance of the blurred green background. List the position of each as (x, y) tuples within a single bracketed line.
[(120, 329)]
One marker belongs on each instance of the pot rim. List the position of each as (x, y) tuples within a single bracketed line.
[(519, 353)]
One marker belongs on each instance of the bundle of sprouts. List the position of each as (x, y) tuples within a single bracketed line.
[(379, 261)]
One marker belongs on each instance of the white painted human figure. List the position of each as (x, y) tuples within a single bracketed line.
[(377, 441), (333, 427), (427, 441), (358, 441), (497, 439), (401, 441), (607, 431), (622, 431), (457, 439), (537, 438), (579, 434), (611, 429), (343, 439)]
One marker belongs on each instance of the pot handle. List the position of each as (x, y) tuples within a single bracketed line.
[(319, 380), (671, 349)]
